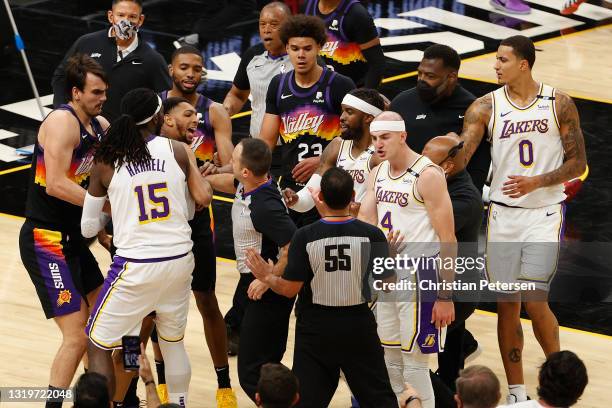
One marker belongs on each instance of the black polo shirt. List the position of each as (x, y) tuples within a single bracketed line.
[(425, 121), (142, 68), (467, 206), (467, 212)]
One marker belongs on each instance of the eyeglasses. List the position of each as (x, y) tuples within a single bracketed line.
[(452, 152)]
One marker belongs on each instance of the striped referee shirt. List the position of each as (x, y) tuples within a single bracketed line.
[(335, 261), (256, 70), (260, 220)]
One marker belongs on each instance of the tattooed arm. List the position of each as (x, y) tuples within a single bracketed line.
[(573, 146), (572, 140), (475, 124)]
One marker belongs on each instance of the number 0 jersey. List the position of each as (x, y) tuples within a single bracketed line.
[(525, 141), (309, 117), (149, 206), (401, 208)]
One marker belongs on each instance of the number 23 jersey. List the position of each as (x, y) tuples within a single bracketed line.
[(309, 117)]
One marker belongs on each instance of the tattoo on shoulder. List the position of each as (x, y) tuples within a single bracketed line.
[(474, 124)]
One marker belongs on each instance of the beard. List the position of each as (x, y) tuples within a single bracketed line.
[(179, 85), (352, 133)]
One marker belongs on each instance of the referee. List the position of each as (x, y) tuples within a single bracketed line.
[(259, 220), (329, 264), (259, 64)]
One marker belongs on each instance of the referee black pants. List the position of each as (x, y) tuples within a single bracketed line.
[(330, 339), (263, 337)]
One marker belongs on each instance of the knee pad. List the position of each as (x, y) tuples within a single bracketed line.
[(395, 368), (177, 367)]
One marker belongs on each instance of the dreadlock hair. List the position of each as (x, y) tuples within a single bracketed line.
[(123, 142)]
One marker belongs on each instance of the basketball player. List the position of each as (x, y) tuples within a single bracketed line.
[(537, 144), (353, 151), (213, 132), (352, 47), (62, 268), (335, 329), (146, 178), (406, 195), (303, 106), (259, 220)]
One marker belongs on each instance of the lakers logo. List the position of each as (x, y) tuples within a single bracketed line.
[(64, 297), (430, 341)]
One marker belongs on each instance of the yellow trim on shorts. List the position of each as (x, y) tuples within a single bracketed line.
[(416, 320), (559, 238), (170, 341), (391, 344), (487, 242), (95, 319)]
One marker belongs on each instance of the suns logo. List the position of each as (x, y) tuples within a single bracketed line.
[(64, 297)]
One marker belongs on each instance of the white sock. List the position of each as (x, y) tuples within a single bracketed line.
[(178, 370), (178, 398), (416, 373), (516, 393), (395, 368)]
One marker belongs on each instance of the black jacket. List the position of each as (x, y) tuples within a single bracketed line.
[(142, 68), (425, 121)]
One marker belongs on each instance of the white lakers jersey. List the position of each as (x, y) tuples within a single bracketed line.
[(358, 168), (149, 206), (401, 208), (525, 141)]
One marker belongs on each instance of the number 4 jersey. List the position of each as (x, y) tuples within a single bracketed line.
[(525, 141), (309, 117), (149, 206)]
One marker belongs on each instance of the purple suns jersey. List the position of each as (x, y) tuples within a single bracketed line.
[(309, 117), (149, 205), (50, 211), (347, 26)]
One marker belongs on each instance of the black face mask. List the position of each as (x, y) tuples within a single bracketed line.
[(428, 93)]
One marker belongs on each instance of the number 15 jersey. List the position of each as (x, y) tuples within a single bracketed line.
[(309, 117), (525, 141), (149, 206)]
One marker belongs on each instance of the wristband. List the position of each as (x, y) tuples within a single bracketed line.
[(305, 201)]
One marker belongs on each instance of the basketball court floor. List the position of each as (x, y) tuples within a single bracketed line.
[(574, 54)]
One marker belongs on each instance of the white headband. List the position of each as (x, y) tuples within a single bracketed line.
[(388, 125), (360, 104), (159, 105)]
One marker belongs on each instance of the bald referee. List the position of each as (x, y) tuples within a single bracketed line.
[(329, 264)]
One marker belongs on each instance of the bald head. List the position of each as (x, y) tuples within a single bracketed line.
[(389, 136), (271, 18), (387, 122), (282, 7), (389, 115), (440, 148)]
